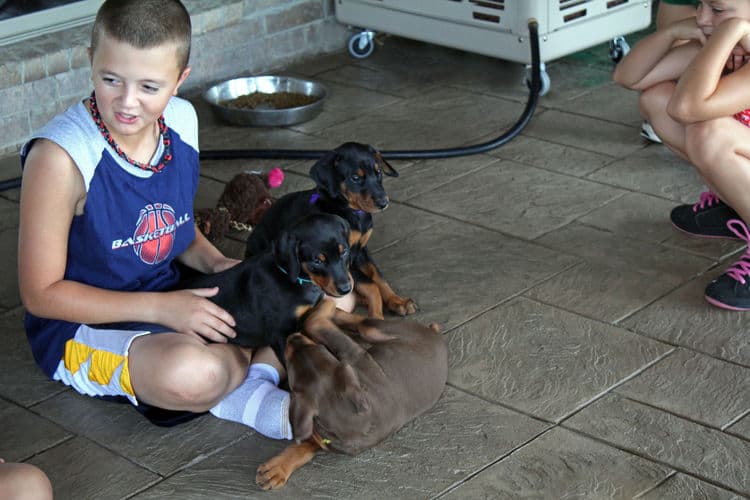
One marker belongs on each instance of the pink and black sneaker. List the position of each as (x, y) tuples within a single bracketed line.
[(731, 290), (708, 218)]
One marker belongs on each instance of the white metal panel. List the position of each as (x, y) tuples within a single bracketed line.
[(499, 28)]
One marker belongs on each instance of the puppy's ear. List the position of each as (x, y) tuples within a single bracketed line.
[(344, 227), (384, 165), (324, 173), (301, 414), (347, 384), (286, 254)]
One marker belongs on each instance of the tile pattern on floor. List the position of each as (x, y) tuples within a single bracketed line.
[(584, 361)]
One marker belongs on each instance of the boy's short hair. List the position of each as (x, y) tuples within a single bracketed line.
[(145, 24)]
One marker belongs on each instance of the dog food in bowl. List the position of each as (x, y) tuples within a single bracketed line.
[(266, 101), (279, 100)]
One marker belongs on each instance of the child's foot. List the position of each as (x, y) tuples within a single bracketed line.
[(731, 290), (708, 218), (648, 133), (258, 403)]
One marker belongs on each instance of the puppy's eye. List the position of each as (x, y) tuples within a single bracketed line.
[(355, 179), (345, 253), (317, 263)]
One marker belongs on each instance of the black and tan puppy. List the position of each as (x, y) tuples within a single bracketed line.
[(269, 294), (349, 183), (349, 395)]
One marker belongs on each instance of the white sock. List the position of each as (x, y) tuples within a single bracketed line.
[(258, 403)]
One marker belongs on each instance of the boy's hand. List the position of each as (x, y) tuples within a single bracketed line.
[(686, 29), (190, 312)]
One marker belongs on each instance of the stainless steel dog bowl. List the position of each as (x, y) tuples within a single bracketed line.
[(265, 116)]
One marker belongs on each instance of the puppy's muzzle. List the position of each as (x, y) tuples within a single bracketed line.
[(382, 202), (344, 287)]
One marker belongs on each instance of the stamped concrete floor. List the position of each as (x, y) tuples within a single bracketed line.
[(584, 361)]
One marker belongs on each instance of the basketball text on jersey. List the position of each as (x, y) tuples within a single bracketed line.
[(153, 238)]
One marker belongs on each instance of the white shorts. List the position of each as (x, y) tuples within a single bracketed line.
[(95, 362)]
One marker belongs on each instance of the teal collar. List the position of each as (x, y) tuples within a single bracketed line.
[(300, 281)]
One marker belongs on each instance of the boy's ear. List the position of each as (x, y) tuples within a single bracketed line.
[(183, 76)]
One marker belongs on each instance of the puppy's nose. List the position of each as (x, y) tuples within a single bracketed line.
[(382, 203), (344, 288)]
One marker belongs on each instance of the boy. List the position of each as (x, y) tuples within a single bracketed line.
[(106, 214), (696, 96)]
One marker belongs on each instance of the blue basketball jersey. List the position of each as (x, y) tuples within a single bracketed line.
[(134, 223)]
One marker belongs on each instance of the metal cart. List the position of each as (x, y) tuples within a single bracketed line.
[(498, 28)]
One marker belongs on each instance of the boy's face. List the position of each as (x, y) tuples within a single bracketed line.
[(133, 86), (711, 13)]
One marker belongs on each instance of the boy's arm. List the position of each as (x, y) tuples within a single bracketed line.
[(51, 192), (703, 93), (203, 256), (655, 59)]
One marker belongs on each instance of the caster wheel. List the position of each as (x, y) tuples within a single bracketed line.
[(544, 76), (618, 48), (361, 45)]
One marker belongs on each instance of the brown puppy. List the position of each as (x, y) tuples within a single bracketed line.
[(348, 395)]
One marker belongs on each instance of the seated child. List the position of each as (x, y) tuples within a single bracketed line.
[(696, 95), (106, 214)]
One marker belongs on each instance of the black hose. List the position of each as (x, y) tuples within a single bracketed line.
[(514, 130), (10, 184)]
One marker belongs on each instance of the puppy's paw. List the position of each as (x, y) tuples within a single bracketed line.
[(272, 475), (402, 306)]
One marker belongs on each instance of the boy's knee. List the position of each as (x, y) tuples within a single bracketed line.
[(197, 377)]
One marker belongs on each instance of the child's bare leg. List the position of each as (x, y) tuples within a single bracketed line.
[(266, 355), (653, 105), (258, 402), (23, 482), (181, 372), (719, 150)]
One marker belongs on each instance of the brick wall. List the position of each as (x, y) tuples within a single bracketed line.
[(41, 77)]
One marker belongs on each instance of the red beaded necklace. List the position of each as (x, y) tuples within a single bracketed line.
[(163, 129)]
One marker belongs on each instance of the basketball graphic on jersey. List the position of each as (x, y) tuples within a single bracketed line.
[(154, 233)]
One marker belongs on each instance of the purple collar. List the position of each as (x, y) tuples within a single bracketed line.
[(316, 196)]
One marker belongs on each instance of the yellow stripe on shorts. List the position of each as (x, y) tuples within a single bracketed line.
[(75, 355), (103, 365)]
